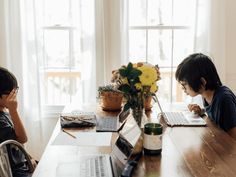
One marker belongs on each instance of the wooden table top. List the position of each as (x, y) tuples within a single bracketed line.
[(186, 152)]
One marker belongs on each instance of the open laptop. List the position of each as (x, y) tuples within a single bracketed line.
[(103, 165), (181, 118), (111, 123)]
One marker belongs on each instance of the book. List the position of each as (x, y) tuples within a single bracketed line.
[(78, 119)]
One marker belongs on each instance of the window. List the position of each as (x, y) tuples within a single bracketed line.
[(161, 32), (66, 37)]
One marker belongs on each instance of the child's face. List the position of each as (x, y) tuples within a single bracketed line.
[(187, 89)]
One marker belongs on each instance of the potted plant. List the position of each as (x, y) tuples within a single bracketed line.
[(111, 98)]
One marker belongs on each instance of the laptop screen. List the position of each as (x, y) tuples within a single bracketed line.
[(124, 145)]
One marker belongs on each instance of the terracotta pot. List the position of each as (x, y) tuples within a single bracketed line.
[(111, 101), (147, 103)]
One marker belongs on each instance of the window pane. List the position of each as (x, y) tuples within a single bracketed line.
[(137, 12), (159, 47), (56, 43), (184, 12), (165, 85), (137, 45), (61, 87), (159, 12), (182, 49), (57, 12)]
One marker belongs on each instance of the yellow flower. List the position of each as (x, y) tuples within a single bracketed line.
[(138, 86), (153, 88), (124, 80), (148, 76)]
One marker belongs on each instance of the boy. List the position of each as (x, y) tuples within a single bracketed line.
[(197, 75), (11, 126)]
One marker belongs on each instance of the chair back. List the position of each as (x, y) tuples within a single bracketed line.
[(5, 167)]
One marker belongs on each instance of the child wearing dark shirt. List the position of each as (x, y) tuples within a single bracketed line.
[(11, 126), (197, 75)]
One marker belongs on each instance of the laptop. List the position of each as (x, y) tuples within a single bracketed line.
[(181, 118), (111, 123), (102, 165)]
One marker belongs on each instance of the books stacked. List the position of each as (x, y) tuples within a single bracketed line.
[(78, 119)]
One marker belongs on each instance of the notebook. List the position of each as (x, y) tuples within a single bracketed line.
[(111, 123), (102, 165), (181, 118)]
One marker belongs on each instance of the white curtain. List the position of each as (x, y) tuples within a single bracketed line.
[(33, 23), (210, 34), (109, 39), (12, 58)]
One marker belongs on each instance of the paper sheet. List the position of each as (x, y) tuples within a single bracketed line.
[(83, 139)]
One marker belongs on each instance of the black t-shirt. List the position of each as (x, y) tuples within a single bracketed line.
[(6, 127), (222, 109), (16, 157)]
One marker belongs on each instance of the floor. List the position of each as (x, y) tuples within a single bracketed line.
[(38, 133)]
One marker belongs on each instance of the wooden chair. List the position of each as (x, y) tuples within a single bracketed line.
[(5, 167)]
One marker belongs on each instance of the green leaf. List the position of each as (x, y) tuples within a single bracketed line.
[(129, 66), (125, 88), (123, 72), (135, 73)]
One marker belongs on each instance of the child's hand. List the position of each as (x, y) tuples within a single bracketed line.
[(11, 101), (195, 108)]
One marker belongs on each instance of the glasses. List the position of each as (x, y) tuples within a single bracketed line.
[(183, 84)]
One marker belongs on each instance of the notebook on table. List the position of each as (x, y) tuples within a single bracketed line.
[(181, 118), (111, 123), (102, 165)]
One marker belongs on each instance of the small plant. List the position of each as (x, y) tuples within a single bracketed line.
[(108, 88), (111, 98)]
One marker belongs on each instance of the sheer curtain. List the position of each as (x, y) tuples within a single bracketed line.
[(83, 43), (210, 32), (109, 39), (22, 34), (13, 59)]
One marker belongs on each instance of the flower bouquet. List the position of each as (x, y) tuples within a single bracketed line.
[(137, 81)]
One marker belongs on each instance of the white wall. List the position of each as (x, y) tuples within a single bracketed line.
[(230, 68)]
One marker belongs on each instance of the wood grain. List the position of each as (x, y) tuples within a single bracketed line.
[(186, 152)]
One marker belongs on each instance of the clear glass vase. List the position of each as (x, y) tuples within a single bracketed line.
[(139, 116)]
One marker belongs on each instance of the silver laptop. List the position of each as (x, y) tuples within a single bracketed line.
[(181, 118), (103, 165), (111, 123)]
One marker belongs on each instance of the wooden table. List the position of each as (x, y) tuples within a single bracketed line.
[(186, 151)]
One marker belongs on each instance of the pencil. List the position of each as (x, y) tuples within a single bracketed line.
[(68, 133)]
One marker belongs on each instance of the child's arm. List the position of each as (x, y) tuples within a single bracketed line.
[(11, 103)]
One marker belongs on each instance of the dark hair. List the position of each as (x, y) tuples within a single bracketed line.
[(195, 67), (7, 81)]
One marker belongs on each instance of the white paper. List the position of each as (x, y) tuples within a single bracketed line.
[(83, 139)]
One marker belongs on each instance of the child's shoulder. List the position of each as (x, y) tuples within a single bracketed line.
[(4, 117), (225, 94)]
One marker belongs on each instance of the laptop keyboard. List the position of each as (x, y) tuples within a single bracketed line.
[(176, 118), (94, 167), (109, 124)]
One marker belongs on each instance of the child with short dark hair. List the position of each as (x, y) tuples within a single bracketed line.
[(198, 75), (11, 126)]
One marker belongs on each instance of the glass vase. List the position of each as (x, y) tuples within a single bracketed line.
[(139, 116)]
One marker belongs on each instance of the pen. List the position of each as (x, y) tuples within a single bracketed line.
[(73, 136)]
